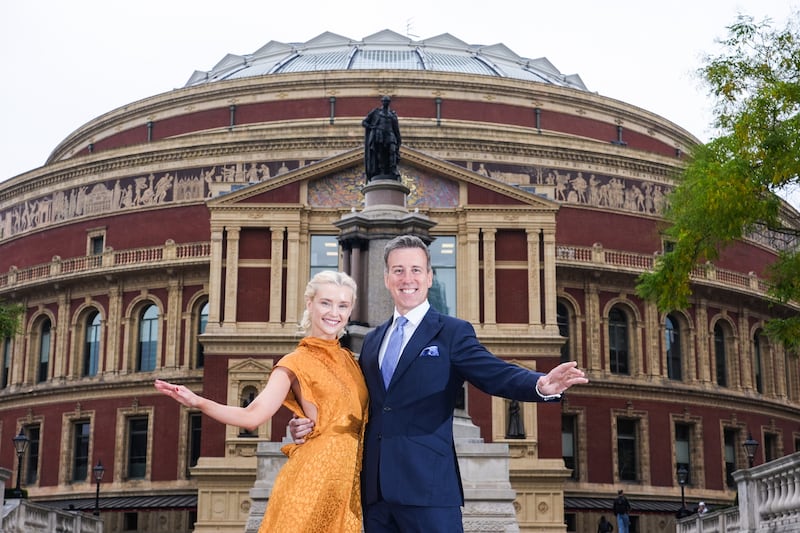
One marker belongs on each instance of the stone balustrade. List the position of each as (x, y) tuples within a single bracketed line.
[(172, 254), (24, 516), (769, 501), (58, 269)]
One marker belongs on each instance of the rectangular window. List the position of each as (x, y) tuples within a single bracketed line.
[(130, 522), (683, 433), (32, 461), (627, 458), (80, 450), (568, 443), (730, 436), (442, 294), (137, 448), (195, 432), (96, 245), (770, 447), (324, 253)]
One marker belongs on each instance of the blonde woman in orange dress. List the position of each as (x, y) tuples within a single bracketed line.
[(318, 489)]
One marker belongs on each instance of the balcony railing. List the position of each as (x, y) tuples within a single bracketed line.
[(170, 254), (598, 257)]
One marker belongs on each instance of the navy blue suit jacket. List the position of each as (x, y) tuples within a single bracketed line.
[(408, 447)]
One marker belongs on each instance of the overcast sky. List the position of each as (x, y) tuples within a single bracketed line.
[(67, 62)]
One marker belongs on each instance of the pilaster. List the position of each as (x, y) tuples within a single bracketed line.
[(535, 290), (276, 278), (489, 277), (231, 276)]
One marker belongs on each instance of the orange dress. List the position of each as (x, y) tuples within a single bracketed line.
[(318, 489)]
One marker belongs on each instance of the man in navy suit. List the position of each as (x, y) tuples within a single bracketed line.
[(410, 480)]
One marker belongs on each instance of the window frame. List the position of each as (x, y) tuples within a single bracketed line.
[(720, 346), (673, 347), (81, 451), (621, 332), (44, 352), (153, 342), (91, 348), (33, 453), (121, 451), (8, 357)]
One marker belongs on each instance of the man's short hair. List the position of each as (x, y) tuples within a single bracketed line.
[(404, 241)]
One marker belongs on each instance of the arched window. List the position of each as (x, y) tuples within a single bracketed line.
[(202, 322), (91, 344), (562, 319), (44, 351), (618, 341), (672, 341), (758, 368), (720, 356), (148, 339), (6, 363)]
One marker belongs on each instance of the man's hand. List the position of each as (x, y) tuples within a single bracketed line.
[(299, 428), (561, 378)]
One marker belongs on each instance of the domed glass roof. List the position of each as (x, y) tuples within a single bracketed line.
[(386, 50)]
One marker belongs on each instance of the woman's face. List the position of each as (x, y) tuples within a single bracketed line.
[(329, 310)]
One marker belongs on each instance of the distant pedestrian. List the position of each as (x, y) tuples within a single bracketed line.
[(604, 526), (621, 509)]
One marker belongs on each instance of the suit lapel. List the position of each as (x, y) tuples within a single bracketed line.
[(427, 330), (369, 357)]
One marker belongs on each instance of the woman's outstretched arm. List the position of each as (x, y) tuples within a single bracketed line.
[(256, 413)]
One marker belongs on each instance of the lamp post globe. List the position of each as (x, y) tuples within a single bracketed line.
[(683, 476), (20, 445), (98, 472), (750, 447)]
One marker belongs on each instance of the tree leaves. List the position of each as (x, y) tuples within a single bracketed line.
[(728, 189)]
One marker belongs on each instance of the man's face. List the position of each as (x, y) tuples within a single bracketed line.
[(408, 278)]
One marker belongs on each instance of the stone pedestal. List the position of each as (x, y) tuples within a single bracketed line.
[(488, 496), (363, 234)]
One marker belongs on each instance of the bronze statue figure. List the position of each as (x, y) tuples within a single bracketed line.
[(381, 142)]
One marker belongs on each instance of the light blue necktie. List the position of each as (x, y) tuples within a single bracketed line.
[(392, 354)]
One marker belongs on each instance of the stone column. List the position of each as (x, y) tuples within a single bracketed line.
[(276, 279), (549, 290), (294, 284), (172, 322), (535, 295), (231, 277), (215, 279), (489, 277)]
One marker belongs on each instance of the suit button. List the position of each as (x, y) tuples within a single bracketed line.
[(387, 409)]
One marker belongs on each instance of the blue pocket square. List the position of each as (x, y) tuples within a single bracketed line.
[(430, 351)]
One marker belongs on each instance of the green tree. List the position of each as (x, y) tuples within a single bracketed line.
[(9, 319), (730, 186)]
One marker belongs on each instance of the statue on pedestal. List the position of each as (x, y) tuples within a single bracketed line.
[(381, 142)]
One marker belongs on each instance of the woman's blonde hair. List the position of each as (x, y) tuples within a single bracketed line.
[(320, 278)]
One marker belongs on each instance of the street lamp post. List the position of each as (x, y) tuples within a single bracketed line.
[(98, 472), (750, 447), (683, 475), (20, 444)]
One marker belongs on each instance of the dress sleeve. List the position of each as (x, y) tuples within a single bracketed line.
[(293, 363)]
